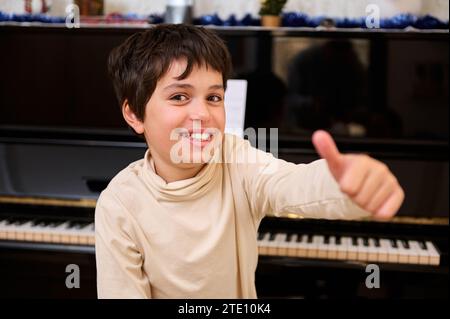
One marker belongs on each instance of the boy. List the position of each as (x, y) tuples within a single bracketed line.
[(183, 221)]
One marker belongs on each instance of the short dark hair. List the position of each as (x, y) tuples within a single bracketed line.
[(137, 64)]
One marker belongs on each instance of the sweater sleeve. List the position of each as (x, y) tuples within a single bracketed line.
[(274, 186), (119, 260)]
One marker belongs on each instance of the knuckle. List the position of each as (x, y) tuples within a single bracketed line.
[(364, 158), (402, 194), (348, 188), (362, 199), (383, 168)]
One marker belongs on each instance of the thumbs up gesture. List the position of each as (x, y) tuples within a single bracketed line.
[(368, 182)]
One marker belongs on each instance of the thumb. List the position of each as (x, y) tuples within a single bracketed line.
[(325, 146)]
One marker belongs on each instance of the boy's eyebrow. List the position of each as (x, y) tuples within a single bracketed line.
[(189, 86)]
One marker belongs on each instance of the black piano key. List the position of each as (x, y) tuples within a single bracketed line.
[(43, 223), (377, 242), (260, 235), (366, 241), (354, 241), (289, 237), (326, 239), (56, 223), (20, 221), (338, 240), (76, 224), (272, 237), (393, 243), (310, 239), (72, 223), (405, 244), (35, 222), (422, 245)]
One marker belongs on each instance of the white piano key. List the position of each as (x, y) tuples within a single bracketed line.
[(433, 253), (322, 248), (281, 244), (372, 253), (393, 252), (262, 244), (413, 255), (332, 248), (302, 246), (271, 246), (292, 246), (363, 251), (11, 231), (403, 253), (383, 252), (85, 234), (3, 230), (311, 246), (352, 250), (424, 258), (341, 249)]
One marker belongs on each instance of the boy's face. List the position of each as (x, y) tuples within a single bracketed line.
[(181, 113)]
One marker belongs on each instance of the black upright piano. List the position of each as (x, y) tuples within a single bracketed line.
[(380, 92)]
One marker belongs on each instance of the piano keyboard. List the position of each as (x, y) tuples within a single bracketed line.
[(348, 248), (270, 244), (47, 230)]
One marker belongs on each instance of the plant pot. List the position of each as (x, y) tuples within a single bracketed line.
[(270, 21)]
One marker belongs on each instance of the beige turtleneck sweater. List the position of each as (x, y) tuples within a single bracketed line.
[(197, 238)]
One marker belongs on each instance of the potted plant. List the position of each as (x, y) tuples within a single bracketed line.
[(270, 12)]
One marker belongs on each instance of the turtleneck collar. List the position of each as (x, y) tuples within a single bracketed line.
[(190, 188)]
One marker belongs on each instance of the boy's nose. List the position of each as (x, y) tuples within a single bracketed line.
[(199, 111)]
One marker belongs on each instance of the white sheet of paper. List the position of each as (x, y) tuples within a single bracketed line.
[(235, 99)]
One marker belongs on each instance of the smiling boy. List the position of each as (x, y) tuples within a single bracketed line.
[(171, 228)]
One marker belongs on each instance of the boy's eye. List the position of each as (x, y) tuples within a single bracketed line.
[(179, 98), (214, 98)]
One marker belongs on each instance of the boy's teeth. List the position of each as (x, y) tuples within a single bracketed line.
[(200, 136)]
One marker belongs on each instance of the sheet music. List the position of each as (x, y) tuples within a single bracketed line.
[(235, 99)]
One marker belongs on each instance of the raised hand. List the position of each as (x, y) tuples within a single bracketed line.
[(368, 182)]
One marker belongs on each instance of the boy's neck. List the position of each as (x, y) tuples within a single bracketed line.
[(171, 173)]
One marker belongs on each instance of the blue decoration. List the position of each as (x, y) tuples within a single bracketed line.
[(351, 23), (4, 17), (295, 19), (289, 19), (400, 21), (248, 20), (155, 19), (429, 22), (231, 21), (209, 19)]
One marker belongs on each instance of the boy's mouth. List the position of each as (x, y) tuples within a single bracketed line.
[(198, 145), (198, 136)]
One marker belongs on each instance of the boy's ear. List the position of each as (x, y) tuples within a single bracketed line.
[(132, 119)]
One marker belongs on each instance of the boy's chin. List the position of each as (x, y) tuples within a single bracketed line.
[(195, 157), (189, 152)]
